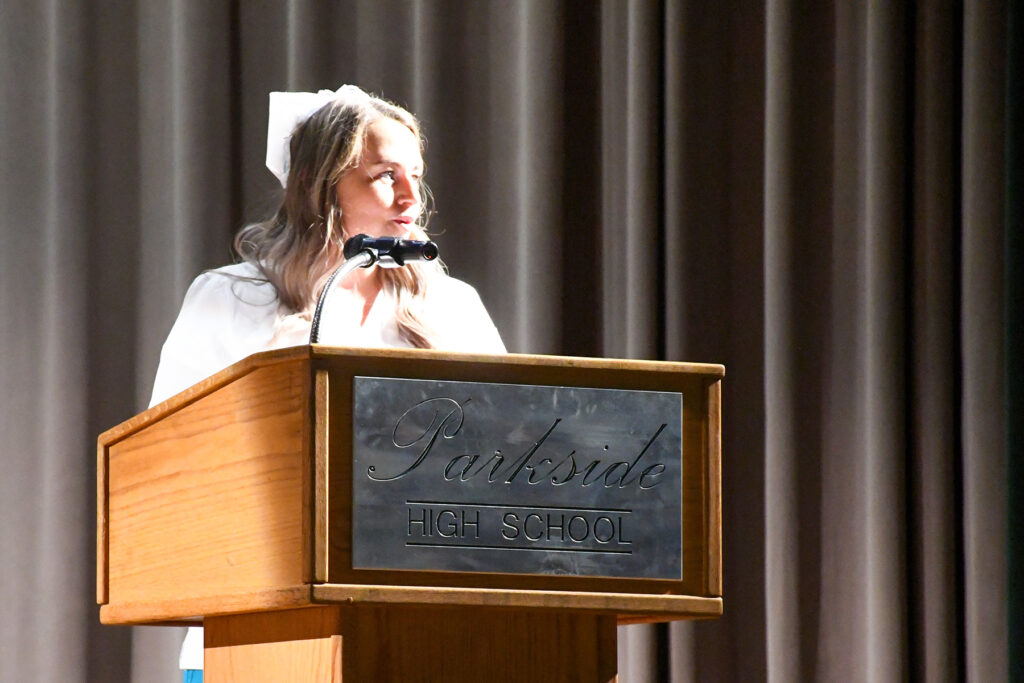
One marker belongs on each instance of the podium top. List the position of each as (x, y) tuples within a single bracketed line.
[(320, 352)]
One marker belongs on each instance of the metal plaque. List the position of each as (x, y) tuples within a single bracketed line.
[(474, 477)]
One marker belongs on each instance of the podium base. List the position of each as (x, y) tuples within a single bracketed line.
[(410, 643)]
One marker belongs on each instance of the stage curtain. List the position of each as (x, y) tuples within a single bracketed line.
[(813, 193)]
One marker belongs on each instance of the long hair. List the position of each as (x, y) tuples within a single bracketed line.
[(298, 249)]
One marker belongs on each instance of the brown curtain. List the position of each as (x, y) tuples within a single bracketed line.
[(812, 193)]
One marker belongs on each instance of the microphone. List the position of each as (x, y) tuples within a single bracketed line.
[(362, 251), (390, 252)]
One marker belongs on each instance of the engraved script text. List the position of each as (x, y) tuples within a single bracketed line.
[(446, 420)]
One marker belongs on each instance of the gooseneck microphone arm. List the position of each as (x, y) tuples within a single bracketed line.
[(363, 251), (363, 259)]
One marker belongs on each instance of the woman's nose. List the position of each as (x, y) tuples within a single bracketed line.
[(406, 192)]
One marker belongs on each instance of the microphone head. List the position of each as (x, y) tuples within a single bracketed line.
[(390, 252), (405, 251), (430, 251)]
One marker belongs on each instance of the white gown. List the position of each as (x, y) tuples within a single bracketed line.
[(226, 317)]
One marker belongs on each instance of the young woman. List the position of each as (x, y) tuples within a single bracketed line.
[(350, 164)]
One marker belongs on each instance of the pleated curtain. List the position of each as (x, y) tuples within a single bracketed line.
[(823, 196)]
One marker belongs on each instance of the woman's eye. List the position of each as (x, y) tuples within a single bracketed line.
[(388, 176)]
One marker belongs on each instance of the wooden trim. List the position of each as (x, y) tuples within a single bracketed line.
[(166, 611), (714, 488), (710, 369), (695, 430), (321, 437), (629, 605), (308, 495), (628, 619), (102, 537)]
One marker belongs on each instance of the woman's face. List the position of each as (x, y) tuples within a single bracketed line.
[(381, 196)]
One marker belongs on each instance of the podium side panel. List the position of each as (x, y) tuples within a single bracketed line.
[(209, 500), (714, 489)]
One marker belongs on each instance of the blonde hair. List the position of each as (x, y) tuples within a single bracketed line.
[(298, 249)]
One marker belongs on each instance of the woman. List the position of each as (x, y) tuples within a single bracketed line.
[(350, 164)]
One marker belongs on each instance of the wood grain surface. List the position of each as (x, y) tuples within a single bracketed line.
[(234, 496), (209, 499), (371, 643)]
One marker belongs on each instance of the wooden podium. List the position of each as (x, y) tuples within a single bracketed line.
[(232, 505)]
